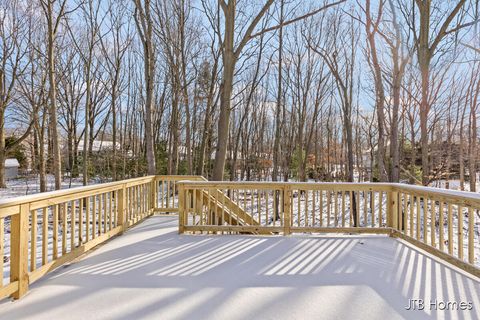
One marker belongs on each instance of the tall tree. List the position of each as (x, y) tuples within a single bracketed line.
[(144, 25), (230, 55), (426, 44)]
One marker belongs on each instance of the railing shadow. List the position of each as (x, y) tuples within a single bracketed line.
[(151, 271)]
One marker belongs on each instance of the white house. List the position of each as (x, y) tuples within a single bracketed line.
[(11, 168)]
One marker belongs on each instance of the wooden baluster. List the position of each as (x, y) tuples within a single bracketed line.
[(450, 229), (72, 224), (194, 207), (111, 202), (314, 206), (358, 209), (471, 240), (87, 218), (105, 196), (335, 203), (162, 195), (400, 211), (94, 217), (418, 218), (425, 220), (460, 232), (245, 200), (168, 194), (216, 205), (252, 203), (173, 193), (412, 205), (201, 203), (306, 207), (223, 194), (266, 208), (299, 212), (433, 223), (44, 236), (287, 206), (33, 242), (209, 212), (327, 192), (441, 219), (365, 207), (101, 208), (380, 209), (80, 221), (350, 200), (258, 206), (64, 228), (321, 208), (372, 207), (129, 214)]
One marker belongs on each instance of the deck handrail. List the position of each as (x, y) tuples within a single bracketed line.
[(52, 228), (439, 221)]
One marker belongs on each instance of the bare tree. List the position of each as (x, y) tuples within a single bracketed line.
[(144, 25)]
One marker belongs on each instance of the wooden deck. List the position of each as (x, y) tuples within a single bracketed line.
[(152, 272)]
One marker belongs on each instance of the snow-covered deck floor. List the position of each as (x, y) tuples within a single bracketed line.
[(151, 272)]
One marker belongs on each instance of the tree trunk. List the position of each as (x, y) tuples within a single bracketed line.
[(225, 95), (57, 163)]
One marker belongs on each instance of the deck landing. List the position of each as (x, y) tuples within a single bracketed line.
[(151, 272)]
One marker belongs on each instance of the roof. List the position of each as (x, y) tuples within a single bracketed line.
[(11, 163)]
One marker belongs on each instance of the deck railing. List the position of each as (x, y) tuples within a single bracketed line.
[(443, 222), (43, 231)]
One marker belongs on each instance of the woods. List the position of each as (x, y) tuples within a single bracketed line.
[(241, 90)]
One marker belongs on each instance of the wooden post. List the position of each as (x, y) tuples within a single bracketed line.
[(121, 207), (153, 195), (392, 208), (19, 247), (287, 207), (181, 208), (199, 203), (471, 240)]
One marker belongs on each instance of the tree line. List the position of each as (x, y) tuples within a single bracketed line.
[(232, 89)]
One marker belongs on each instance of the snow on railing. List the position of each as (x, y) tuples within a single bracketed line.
[(443, 222)]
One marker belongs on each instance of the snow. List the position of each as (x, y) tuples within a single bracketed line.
[(30, 185), (11, 163), (151, 272)]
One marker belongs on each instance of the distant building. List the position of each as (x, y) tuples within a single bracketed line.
[(11, 168), (99, 145)]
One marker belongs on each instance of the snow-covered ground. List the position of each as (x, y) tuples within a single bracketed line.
[(30, 185), (151, 272)]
